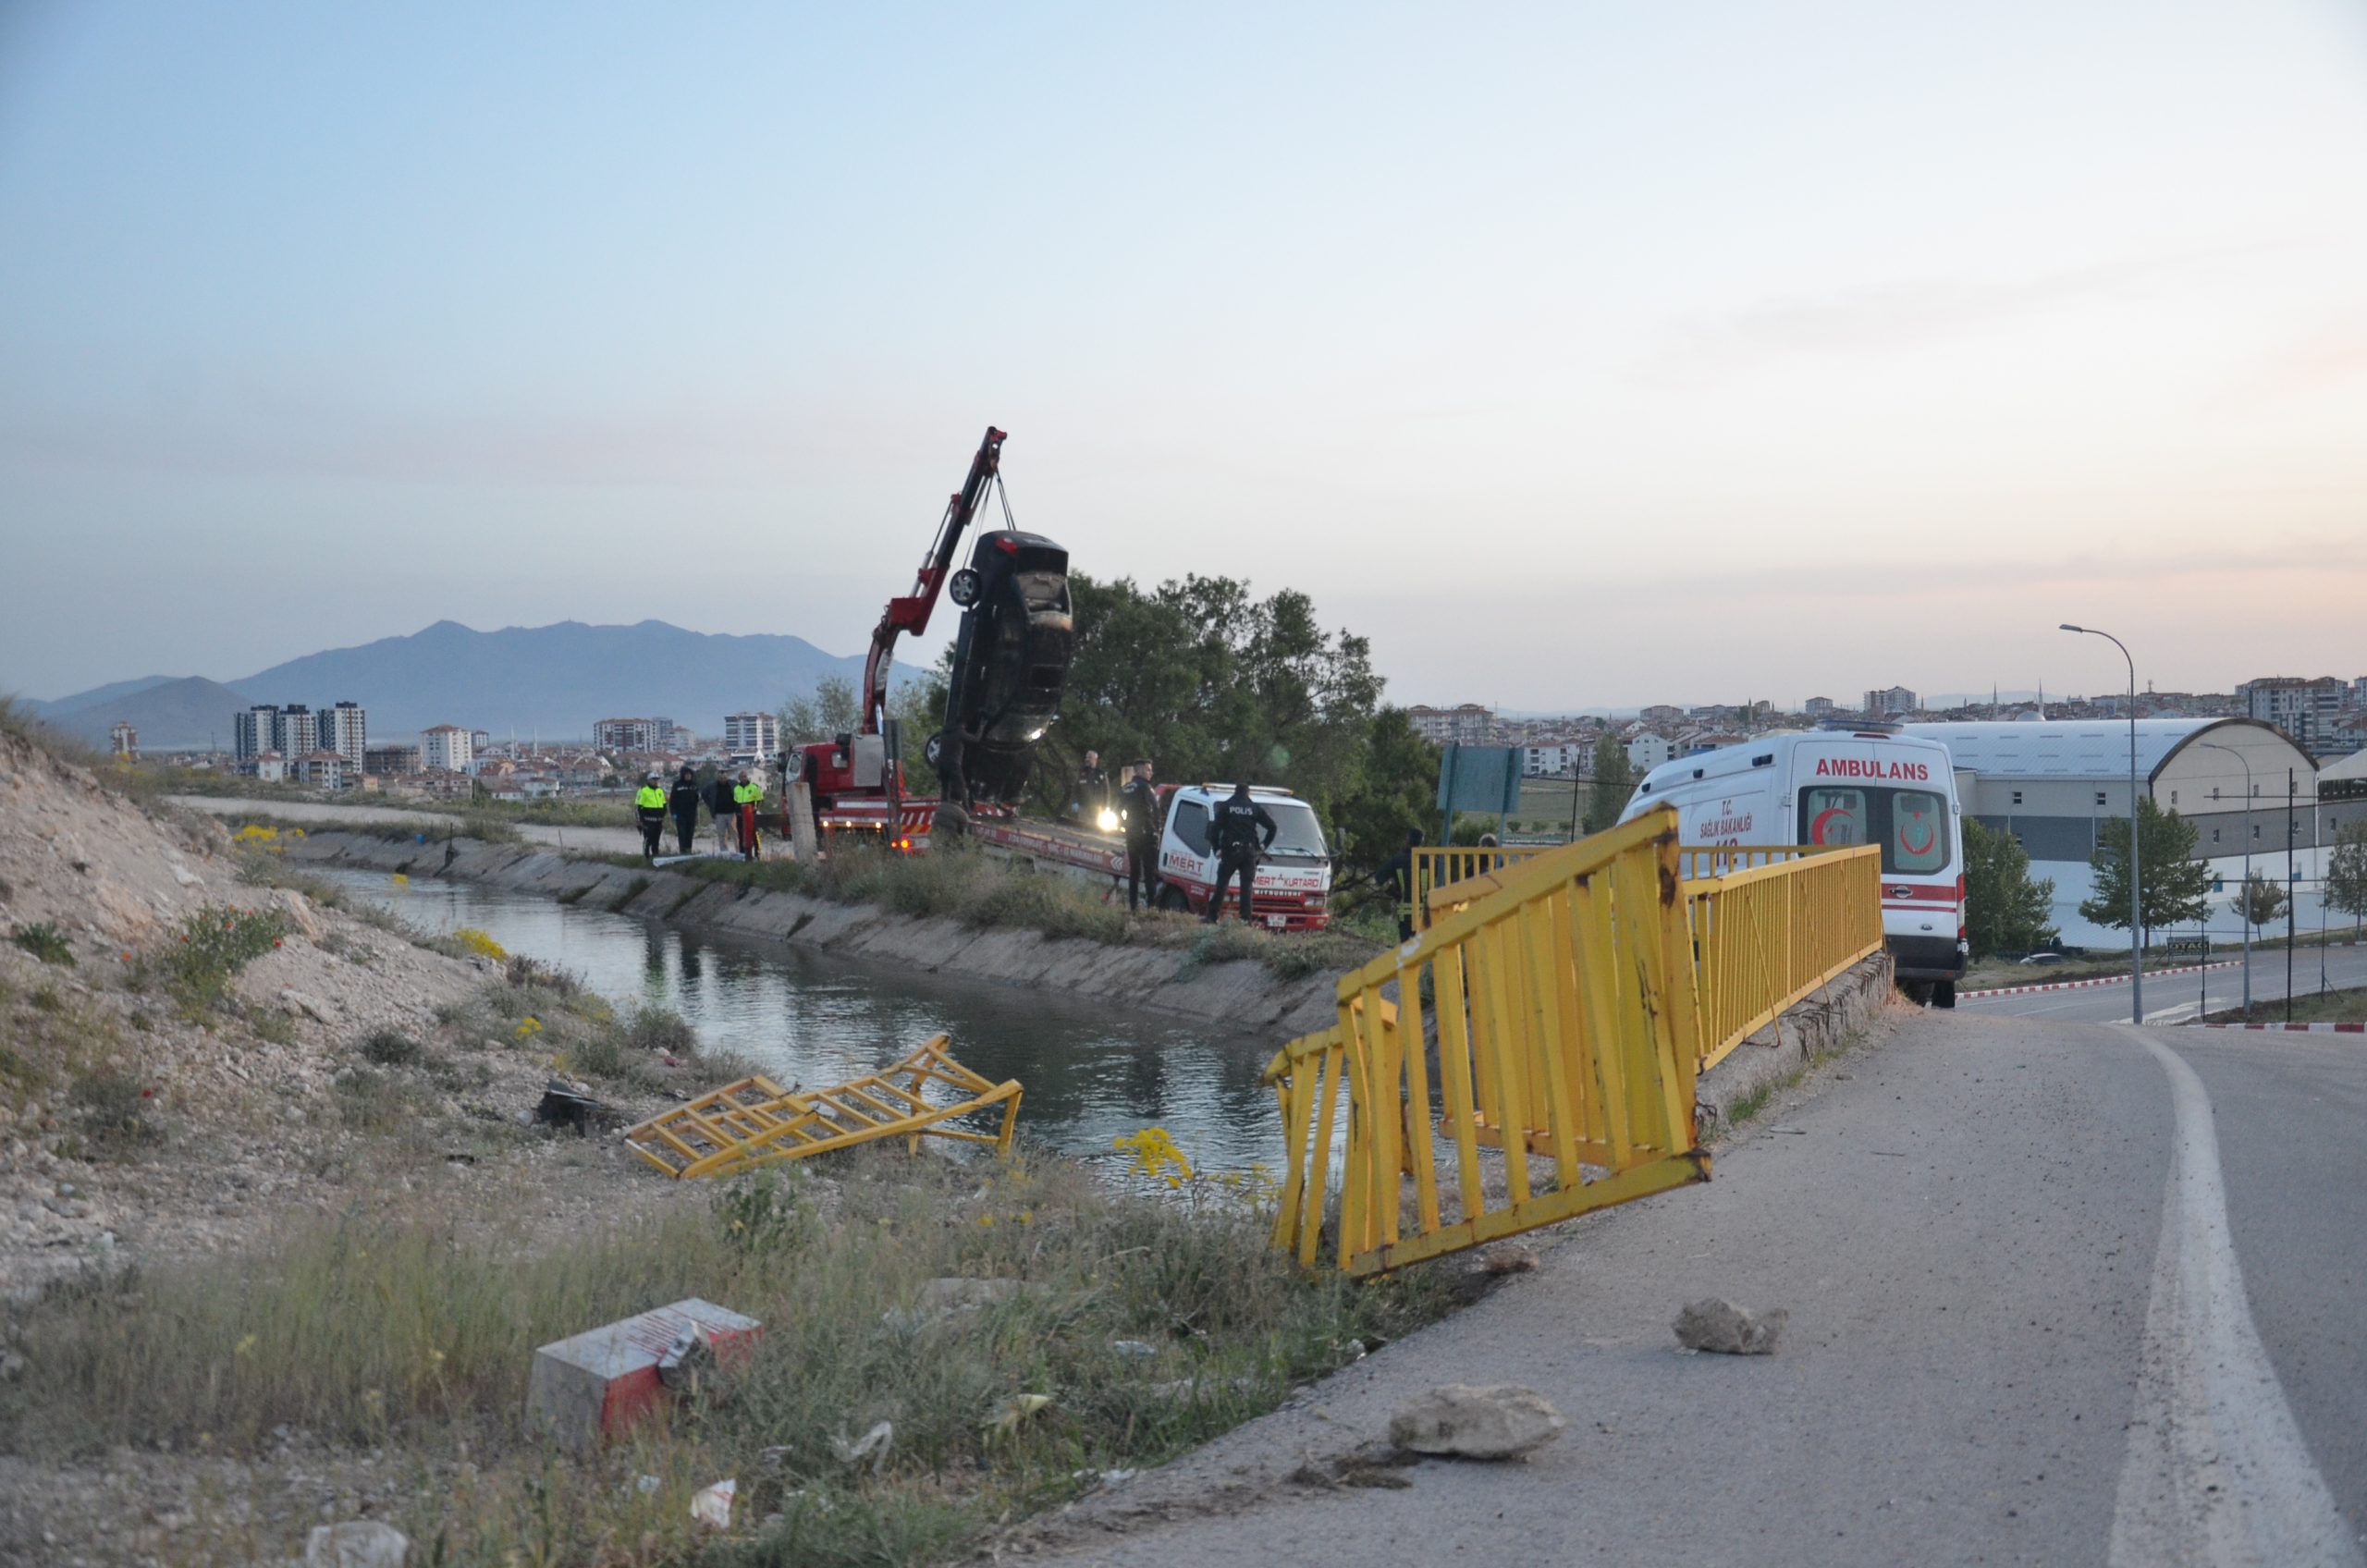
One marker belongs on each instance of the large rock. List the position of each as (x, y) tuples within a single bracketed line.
[(358, 1543), (1718, 1325), (1462, 1421)]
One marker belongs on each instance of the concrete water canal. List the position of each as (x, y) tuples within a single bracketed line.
[(1092, 1073)]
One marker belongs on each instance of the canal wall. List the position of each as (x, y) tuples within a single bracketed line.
[(1240, 993)]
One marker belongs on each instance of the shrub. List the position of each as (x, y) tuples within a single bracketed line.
[(480, 944), (392, 1047), (112, 1110), (524, 971), (660, 1029), (45, 942), (214, 944)]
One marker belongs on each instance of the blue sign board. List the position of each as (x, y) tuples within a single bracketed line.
[(1478, 778)]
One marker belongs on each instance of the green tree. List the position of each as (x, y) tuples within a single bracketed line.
[(2346, 872), (1398, 790), (2006, 911), (2262, 900), (832, 708), (2174, 887), (1614, 782)]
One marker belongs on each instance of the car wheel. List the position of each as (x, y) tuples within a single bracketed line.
[(933, 750), (963, 588), (1944, 994), (1173, 898), (1916, 991)]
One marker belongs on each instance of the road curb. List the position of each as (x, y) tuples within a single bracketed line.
[(2098, 980), (2288, 1028)]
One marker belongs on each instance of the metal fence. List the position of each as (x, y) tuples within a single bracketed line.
[(1554, 1016), (1766, 934), (1437, 866), (1557, 1006)]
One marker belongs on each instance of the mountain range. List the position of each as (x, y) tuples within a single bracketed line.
[(552, 681)]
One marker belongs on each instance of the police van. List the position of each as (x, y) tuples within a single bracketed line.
[(1862, 784)]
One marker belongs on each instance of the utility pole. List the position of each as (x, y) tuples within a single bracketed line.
[(2136, 931), (2292, 889)]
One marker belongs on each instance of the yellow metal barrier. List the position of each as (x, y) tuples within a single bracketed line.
[(756, 1122), (1765, 936), (1553, 1015), (1437, 866)]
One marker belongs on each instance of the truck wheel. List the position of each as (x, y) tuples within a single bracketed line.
[(1943, 993), (1172, 898), (1916, 991)]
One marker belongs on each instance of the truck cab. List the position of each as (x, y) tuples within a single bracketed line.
[(1292, 888), (1837, 787)]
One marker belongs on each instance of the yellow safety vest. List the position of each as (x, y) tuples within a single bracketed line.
[(650, 798), (747, 794)]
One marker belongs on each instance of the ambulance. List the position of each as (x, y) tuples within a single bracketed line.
[(1858, 784)]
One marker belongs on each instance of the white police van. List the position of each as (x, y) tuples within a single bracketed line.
[(1862, 784)]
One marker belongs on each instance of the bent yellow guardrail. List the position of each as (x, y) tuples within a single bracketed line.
[(1553, 1015), (1766, 934), (756, 1122), (1442, 865)]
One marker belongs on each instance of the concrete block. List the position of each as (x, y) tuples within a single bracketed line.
[(594, 1385)]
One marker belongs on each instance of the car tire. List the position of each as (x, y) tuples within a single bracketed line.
[(933, 751), (1944, 994), (1916, 991), (1172, 898), (963, 588)]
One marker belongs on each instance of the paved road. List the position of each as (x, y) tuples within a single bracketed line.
[(2018, 1336), (622, 839), (2172, 998)]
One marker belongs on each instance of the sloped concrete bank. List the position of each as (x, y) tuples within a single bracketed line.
[(1241, 994), (1818, 1024)]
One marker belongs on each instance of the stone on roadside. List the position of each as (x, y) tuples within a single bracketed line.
[(1717, 1325), (1465, 1421), (358, 1543), (1510, 1257)]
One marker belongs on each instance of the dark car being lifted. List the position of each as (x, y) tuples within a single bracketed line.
[(1010, 664)]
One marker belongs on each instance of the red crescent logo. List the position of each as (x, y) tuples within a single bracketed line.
[(1915, 848)]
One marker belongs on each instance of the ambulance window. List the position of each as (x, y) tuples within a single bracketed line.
[(1192, 825), (1919, 832), (1833, 816)]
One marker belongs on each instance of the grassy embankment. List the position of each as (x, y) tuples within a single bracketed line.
[(2347, 1006), (1141, 1326)]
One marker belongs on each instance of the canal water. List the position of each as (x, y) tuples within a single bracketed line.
[(1091, 1073)]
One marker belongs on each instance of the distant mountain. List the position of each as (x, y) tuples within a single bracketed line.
[(170, 715), (114, 691), (555, 681)]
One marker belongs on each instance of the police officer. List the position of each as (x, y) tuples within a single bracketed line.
[(649, 804), (1088, 792), (744, 796), (1395, 877), (1239, 822), (682, 802), (1139, 809)]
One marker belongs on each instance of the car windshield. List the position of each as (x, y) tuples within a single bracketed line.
[(1296, 832)]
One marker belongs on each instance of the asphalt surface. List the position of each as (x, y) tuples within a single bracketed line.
[(2017, 1336), (2173, 999)]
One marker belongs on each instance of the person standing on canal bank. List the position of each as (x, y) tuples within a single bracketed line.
[(649, 804), (745, 795), (1138, 815), (1089, 794), (683, 801), (720, 806), (1240, 821), (1395, 877)]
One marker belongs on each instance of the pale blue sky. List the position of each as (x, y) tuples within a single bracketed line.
[(1578, 354)]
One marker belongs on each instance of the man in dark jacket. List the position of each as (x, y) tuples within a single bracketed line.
[(1088, 792), (727, 814), (649, 805), (682, 802), (1239, 822), (1395, 877), (1138, 814)]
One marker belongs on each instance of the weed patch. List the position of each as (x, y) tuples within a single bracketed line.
[(211, 949), (45, 942)]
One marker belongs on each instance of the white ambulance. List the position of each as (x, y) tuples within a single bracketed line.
[(1856, 784)]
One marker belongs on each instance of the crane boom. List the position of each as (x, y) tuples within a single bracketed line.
[(911, 612)]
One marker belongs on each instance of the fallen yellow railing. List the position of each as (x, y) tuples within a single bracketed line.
[(755, 1121), (1552, 1014), (1764, 936)]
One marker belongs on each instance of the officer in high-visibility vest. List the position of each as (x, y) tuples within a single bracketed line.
[(649, 803), (745, 795)]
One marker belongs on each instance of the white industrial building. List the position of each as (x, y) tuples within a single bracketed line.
[(2051, 782)]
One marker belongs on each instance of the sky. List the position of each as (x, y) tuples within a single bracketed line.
[(1575, 355)]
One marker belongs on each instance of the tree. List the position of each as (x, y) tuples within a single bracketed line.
[(832, 708), (2174, 887), (2262, 900), (1614, 782), (2346, 872), (2006, 911), (1397, 790)]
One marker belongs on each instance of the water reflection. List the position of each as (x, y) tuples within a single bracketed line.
[(1092, 1073)]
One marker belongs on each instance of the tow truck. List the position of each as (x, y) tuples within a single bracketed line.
[(1011, 665)]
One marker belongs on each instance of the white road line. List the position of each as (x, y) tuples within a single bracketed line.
[(2217, 1473)]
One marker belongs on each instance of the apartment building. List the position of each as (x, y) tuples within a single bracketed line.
[(446, 748), (752, 735), (1465, 724)]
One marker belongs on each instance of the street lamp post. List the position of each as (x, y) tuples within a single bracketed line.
[(2136, 931), (2244, 903)]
